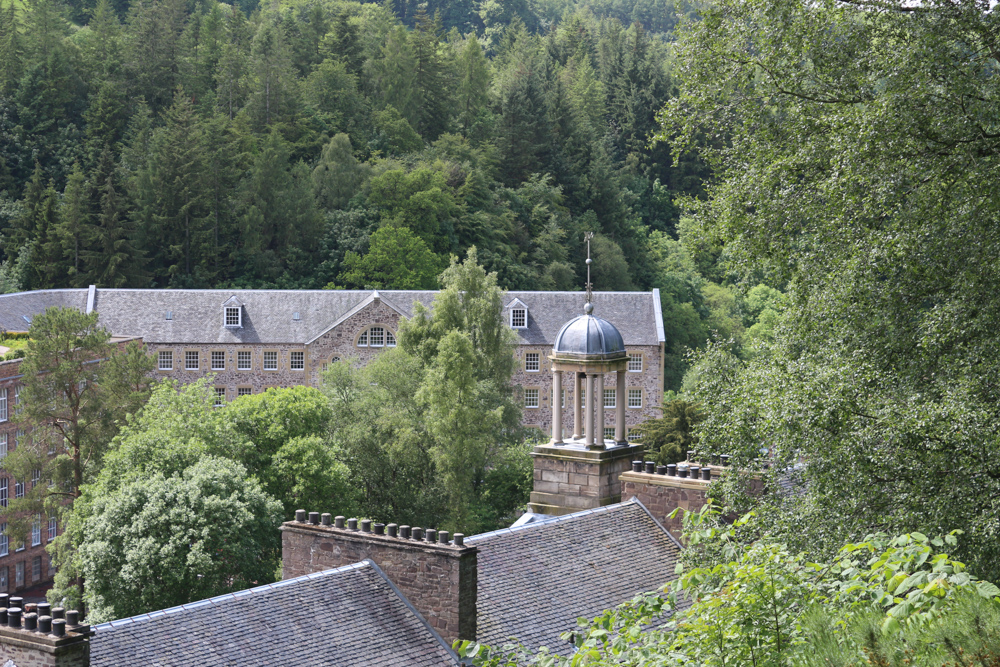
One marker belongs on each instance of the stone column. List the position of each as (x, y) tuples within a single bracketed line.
[(599, 395), (588, 413), (577, 407), (621, 432), (557, 407)]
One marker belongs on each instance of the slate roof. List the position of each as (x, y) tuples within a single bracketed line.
[(535, 580), (196, 315), (350, 615)]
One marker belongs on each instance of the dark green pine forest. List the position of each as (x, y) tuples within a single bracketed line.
[(323, 143)]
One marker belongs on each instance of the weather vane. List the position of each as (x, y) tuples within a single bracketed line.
[(589, 307)]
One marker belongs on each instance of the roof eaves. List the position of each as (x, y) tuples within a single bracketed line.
[(516, 302), (555, 520), (658, 315)]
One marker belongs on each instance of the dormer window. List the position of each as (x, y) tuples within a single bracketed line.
[(232, 313), (518, 314)]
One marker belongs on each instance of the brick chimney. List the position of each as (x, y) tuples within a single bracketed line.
[(37, 636), (435, 571)]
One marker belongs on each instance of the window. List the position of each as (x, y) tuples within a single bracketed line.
[(609, 432), (53, 528), (36, 476), (363, 339), (610, 398), (166, 360), (220, 396), (234, 316), (244, 361), (376, 337), (36, 568), (518, 318), (17, 399), (191, 360), (243, 391), (635, 398), (218, 360), (531, 363), (531, 398), (635, 363), (270, 360), (3, 579), (19, 575), (3, 446), (4, 541), (18, 434), (3, 404), (390, 340), (633, 434), (18, 489), (297, 361), (564, 398), (36, 531), (3, 492)]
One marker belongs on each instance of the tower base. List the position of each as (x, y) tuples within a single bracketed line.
[(572, 477)]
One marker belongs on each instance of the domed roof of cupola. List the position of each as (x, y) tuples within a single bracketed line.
[(589, 338)]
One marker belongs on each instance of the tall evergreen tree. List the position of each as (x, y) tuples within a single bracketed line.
[(272, 95), (73, 228), (431, 78), (114, 259), (473, 83), (11, 49)]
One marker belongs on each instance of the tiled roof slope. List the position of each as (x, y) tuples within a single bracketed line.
[(196, 315), (348, 616), (536, 580)]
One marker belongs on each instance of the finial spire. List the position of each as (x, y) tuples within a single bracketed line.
[(588, 308)]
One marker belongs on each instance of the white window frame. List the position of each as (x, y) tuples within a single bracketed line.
[(518, 318), (376, 334), (18, 489), (36, 531), (36, 576), (17, 399), (19, 574), (218, 354), (190, 355), (4, 583), (3, 404), (4, 540), (634, 398), (53, 528), (36, 477), (244, 391), (634, 360), (4, 491), (532, 362), (610, 398), (3, 446), (297, 360), (232, 317), (532, 398), (220, 396), (165, 356), (609, 432), (363, 339), (240, 355), (265, 360)]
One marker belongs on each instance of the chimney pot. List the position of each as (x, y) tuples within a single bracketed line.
[(31, 621), (725, 460), (379, 529), (352, 524), (695, 472), (300, 516), (45, 624), (73, 617), (682, 470), (58, 612), (432, 535), (14, 617), (366, 525), (3, 600), (404, 532), (43, 609), (58, 627), (391, 529), (314, 518), (459, 540), (16, 602), (443, 536), (636, 466), (338, 522), (650, 467), (706, 474), (417, 533), (326, 519), (661, 470), (671, 470)]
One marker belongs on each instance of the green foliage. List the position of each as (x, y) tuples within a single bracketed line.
[(396, 259), (160, 541), (669, 438)]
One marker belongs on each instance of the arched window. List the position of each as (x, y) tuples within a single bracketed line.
[(376, 337)]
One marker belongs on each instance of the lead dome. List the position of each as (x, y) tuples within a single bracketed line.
[(589, 338)]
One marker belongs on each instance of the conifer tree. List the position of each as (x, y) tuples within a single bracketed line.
[(473, 83), (430, 77), (73, 228), (338, 175), (272, 95), (231, 70), (113, 260), (11, 49)]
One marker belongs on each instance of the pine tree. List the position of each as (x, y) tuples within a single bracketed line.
[(11, 49), (154, 29), (431, 80), (338, 176), (273, 81), (113, 260), (73, 228), (473, 83), (395, 74), (343, 43)]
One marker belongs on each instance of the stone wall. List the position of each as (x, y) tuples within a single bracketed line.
[(572, 478), (662, 494), (440, 580), (25, 648)]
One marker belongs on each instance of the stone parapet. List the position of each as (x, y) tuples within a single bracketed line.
[(438, 578), (42, 647), (570, 478), (662, 494)]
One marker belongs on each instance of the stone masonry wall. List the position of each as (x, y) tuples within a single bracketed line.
[(662, 495), (339, 342), (439, 580), (25, 648), (568, 479)]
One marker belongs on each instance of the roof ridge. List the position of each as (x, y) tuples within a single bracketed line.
[(231, 596), (559, 519)]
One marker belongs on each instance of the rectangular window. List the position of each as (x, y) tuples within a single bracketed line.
[(531, 363), (53, 528), (635, 398), (3, 404), (531, 398), (633, 434), (17, 399), (233, 316), (376, 337), (610, 398), (244, 362), (4, 542), (243, 391), (609, 432), (270, 360), (166, 358), (635, 363), (518, 318), (36, 568), (297, 361), (564, 398), (220, 396), (218, 360), (18, 436), (390, 340), (3, 446), (191, 360), (3, 492), (3, 579), (18, 489), (36, 531), (36, 476), (19, 575)]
